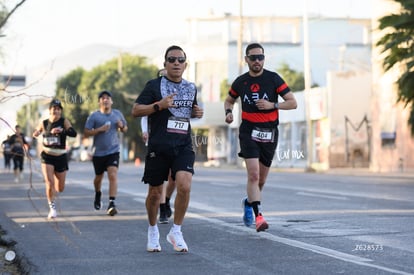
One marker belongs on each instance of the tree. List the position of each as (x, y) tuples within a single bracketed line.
[(5, 14), (124, 83), (28, 117), (224, 89), (294, 79), (67, 90), (397, 45), (125, 76)]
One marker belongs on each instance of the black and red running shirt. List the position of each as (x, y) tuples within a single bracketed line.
[(269, 85)]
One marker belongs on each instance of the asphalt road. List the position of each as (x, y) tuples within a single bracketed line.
[(327, 223)]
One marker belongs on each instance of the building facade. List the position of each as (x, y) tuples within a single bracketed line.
[(340, 61), (392, 143)]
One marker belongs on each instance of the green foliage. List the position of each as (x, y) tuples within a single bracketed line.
[(67, 91), (125, 76), (294, 79), (3, 12), (124, 84), (224, 89), (28, 117), (397, 45)]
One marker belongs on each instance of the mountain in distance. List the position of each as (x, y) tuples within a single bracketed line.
[(41, 80)]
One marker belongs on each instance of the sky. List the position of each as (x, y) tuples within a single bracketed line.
[(41, 30)]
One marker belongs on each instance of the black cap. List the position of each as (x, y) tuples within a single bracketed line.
[(55, 102), (104, 93)]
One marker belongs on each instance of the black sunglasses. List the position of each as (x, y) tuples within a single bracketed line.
[(253, 57), (172, 59)]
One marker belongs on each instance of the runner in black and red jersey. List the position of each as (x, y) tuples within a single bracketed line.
[(259, 90)]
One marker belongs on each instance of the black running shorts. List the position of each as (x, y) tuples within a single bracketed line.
[(59, 162), (158, 164), (264, 151), (102, 162)]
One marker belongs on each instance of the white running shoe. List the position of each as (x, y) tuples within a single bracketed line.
[(153, 244), (52, 213), (177, 240)]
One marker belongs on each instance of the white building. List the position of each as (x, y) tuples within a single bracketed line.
[(340, 61)]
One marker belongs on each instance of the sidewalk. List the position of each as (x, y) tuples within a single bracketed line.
[(347, 171), (10, 260), (408, 174), (80, 241)]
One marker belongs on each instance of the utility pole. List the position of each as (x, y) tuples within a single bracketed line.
[(240, 59), (307, 76), (240, 40)]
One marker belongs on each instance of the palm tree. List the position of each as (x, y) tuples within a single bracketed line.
[(398, 48)]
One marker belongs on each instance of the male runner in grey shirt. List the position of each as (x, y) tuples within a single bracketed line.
[(103, 125)]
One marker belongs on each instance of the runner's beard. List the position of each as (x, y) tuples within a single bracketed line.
[(256, 68)]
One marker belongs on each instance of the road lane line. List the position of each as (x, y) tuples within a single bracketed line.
[(305, 246), (294, 243), (321, 196)]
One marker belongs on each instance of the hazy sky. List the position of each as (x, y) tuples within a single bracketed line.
[(43, 29)]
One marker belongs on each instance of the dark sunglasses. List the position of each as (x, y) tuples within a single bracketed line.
[(253, 57), (172, 59)]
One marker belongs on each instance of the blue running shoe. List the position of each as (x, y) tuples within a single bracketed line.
[(247, 213)]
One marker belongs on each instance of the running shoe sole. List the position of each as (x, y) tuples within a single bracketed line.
[(163, 220), (112, 211), (262, 226), (171, 240), (163, 217), (52, 214), (149, 249), (156, 247)]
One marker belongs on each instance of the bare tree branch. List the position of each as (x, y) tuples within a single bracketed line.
[(6, 95), (3, 23)]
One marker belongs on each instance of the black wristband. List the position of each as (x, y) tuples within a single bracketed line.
[(229, 111)]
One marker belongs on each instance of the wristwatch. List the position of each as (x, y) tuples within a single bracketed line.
[(276, 105), (156, 107)]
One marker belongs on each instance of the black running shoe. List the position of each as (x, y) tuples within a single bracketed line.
[(111, 209), (163, 217), (97, 204), (168, 210)]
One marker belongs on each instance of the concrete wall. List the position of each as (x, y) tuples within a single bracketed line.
[(349, 115), (388, 116)]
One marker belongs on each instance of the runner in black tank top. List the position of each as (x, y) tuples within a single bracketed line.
[(54, 157)]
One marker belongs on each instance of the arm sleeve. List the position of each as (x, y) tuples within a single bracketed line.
[(144, 124), (71, 132)]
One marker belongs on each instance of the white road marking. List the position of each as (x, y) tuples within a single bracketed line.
[(235, 229), (309, 247), (321, 196)]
